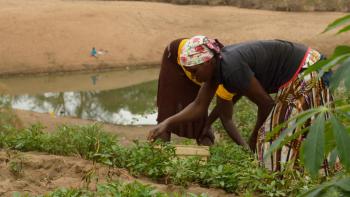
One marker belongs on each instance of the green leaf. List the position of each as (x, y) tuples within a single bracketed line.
[(315, 192), (343, 108), (314, 146), (297, 118), (342, 139), (330, 141), (16, 194), (315, 67), (107, 161), (345, 29), (344, 184), (333, 158), (326, 65), (337, 23), (300, 120), (340, 74), (341, 50)]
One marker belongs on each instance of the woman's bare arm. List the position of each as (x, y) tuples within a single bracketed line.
[(193, 111), (256, 93), (226, 112)]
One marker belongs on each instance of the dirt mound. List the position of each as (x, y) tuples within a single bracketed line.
[(38, 173)]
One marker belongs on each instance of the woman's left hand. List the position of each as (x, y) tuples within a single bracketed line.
[(157, 131)]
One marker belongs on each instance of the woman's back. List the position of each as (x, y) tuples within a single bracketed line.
[(272, 62)]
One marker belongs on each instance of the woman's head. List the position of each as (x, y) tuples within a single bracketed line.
[(197, 56)]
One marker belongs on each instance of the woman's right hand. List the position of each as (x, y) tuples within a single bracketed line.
[(207, 137), (157, 131)]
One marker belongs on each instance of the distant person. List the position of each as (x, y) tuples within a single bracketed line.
[(253, 69), (177, 88), (93, 52)]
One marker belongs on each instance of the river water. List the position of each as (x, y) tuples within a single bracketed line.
[(124, 97)]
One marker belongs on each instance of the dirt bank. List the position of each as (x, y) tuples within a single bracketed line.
[(277, 5), (57, 35)]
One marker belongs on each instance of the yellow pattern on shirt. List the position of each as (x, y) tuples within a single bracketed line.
[(221, 91)]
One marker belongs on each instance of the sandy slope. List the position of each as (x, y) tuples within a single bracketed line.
[(47, 36)]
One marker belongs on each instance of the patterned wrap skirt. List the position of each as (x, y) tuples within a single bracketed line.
[(298, 95)]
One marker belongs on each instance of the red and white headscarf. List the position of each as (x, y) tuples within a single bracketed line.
[(197, 50)]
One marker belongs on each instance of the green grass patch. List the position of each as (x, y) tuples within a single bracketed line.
[(230, 167), (116, 189)]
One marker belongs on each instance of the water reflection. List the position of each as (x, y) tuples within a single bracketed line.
[(107, 80), (131, 105)]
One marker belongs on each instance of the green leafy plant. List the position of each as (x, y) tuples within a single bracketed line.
[(230, 167), (15, 163), (327, 137), (150, 159), (118, 189), (314, 146), (337, 187), (183, 171), (7, 116)]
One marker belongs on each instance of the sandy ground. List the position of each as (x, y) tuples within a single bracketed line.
[(58, 35), (40, 36)]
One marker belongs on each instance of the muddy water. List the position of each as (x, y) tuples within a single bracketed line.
[(121, 97)]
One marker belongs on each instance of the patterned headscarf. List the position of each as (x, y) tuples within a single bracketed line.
[(198, 50)]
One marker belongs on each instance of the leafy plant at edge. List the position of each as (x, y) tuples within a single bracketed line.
[(329, 135)]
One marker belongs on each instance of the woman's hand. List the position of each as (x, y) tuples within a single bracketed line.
[(191, 112), (207, 137), (157, 131)]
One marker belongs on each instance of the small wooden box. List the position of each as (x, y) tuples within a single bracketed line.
[(192, 150)]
